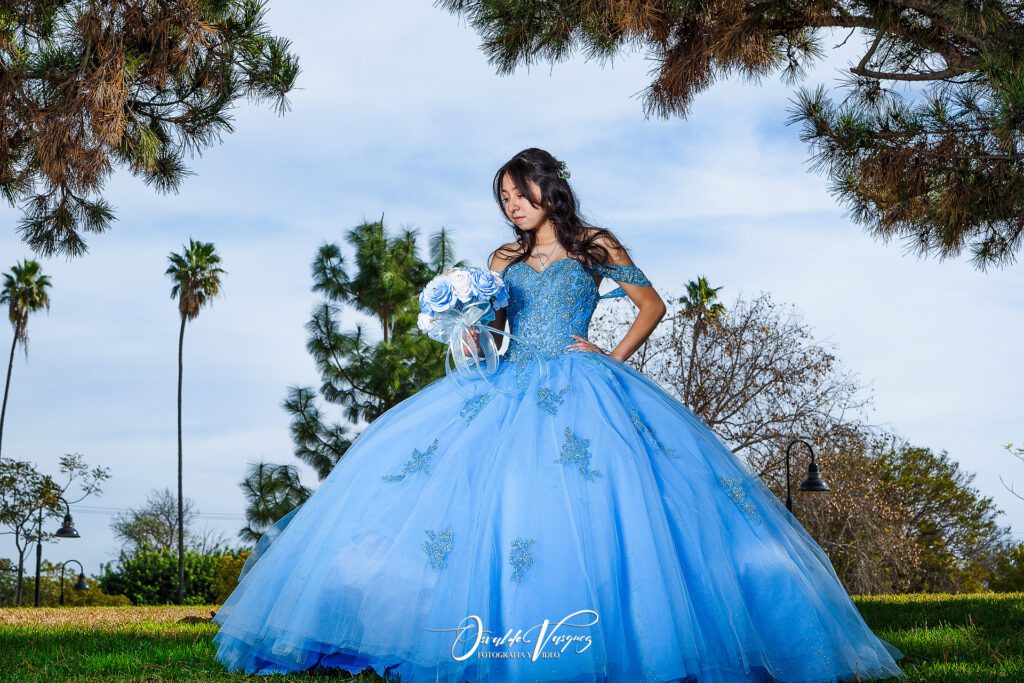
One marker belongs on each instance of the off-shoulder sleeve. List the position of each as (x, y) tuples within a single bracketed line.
[(631, 275)]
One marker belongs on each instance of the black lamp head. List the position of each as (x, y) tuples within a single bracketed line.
[(67, 530), (81, 585), (813, 482)]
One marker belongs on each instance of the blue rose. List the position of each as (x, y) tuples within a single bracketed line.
[(437, 296), (501, 298), (490, 286), (484, 283)]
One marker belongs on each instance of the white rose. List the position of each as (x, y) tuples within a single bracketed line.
[(425, 321), (461, 284)]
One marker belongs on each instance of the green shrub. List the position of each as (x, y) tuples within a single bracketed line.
[(150, 577), (227, 575), (1009, 572)]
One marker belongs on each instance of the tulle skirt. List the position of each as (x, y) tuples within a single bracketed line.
[(570, 521)]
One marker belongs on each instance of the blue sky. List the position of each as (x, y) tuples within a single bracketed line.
[(397, 112)]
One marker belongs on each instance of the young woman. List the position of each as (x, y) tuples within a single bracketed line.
[(567, 521)]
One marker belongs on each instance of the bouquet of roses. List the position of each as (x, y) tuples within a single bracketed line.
[(455, 308)]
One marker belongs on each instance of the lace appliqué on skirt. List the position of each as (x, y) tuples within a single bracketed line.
[(472, 407), (520, 557), (419, 462), (646, 431), (550, 400), (437, 547), (575, 451), (734, 487)]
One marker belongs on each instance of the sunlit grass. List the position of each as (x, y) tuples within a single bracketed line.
[(950, 638)]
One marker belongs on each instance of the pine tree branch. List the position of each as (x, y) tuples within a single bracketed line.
[(917, 76)]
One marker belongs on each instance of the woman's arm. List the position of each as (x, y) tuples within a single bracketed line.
[(652, 310), (498, 262)]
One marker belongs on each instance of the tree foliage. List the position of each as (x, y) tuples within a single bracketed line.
[(227, 575), (25, 291), (271, 492), (924, 527), (92, 85), (196, 277), (940, 168), (196, 274), (955, 527), (364, 370), (8, 581), (861, 523), (1009, 570)]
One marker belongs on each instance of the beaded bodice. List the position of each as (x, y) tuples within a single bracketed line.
[(546, 308)]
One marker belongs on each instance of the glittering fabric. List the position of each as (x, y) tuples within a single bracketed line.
[(645, 430), (547, 308)]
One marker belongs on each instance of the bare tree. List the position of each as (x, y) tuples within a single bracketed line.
[(753, 372), (154, 526), (1017, 452)]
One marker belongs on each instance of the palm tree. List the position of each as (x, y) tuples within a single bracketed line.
[(698, 304), (196, 275), (24, 292)]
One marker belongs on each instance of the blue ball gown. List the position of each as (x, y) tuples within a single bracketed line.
[(567, 521)]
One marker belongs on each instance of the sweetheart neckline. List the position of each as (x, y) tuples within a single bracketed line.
[(540, 273), (550, 265)]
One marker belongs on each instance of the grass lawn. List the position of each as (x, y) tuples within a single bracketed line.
[(944, 638)]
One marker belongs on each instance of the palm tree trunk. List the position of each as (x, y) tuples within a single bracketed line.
[(7, 388), (39, 556), (181, 505)]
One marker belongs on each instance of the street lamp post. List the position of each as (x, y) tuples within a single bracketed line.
[(67, 530), (813, 482), (80, 585)]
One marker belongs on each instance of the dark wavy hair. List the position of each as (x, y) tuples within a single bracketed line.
[(558, 200)]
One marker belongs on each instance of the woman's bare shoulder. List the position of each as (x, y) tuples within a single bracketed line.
[(617, 252), (504, 255)]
